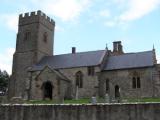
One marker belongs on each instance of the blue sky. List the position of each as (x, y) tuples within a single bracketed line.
[(86, 24)]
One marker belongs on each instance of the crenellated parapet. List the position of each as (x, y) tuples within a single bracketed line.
[(37, 16)]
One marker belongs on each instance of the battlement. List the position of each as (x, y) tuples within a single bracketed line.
[(36, 14)]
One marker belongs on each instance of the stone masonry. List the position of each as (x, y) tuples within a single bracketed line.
[(148, 111), (38, 74), (31, 49)]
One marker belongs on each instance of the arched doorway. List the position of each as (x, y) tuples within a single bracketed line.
[(47, 90), (117, 92)]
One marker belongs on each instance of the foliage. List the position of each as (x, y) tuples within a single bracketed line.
[(4, 78)]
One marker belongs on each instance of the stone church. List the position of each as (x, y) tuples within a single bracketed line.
[(39, 74)]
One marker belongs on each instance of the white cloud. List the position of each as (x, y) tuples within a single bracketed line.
[(128, 10), (119, 1), (10, 20), (59, 29), (66, 10), (138, 8), (6, 60), (105, 13), (158, 59), (110, 23)]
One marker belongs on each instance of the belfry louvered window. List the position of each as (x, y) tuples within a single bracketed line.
[(45, 37), (27, 35)]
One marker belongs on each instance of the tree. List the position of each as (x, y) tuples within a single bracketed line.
[(4, 78)]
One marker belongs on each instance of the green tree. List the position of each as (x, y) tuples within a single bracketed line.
[(4, 78)]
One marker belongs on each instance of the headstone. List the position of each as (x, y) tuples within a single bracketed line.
[(76, 92), (93, 100), (124, 101), (113, 101), (107, 99), (17, 100)]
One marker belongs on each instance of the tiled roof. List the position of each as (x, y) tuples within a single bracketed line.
[(130, 60), (81, 59), (94, 58)]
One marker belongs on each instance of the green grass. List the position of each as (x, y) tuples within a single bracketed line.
[(88, 100), (144, 100), (41, 102), (80, 101)]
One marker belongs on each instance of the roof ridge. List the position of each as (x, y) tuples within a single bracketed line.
[(78, 52), (133, 53), (140, 52)]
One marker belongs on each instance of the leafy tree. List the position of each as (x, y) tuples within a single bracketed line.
[(4, 78)]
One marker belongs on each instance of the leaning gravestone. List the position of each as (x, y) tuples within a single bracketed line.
[(17, 100)]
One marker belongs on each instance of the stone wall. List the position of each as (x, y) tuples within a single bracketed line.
[(30, 48), (123, 78), (90, 83), (60, 87), (148, 111)]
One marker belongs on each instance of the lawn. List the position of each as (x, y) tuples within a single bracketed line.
[(88, 100), (144, 100), (80, 101)]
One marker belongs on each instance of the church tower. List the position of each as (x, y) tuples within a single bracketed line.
[(34, 40)]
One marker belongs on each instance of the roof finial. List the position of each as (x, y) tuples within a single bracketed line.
[(154, 55), (106, 46), (153, 48)]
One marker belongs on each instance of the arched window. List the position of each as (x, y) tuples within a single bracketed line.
[(136, 81), (117, 91), (133, 82), (27, 35), (45, 37), (107, 85), (79, 79)]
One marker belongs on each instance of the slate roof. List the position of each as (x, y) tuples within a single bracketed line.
[(80, 59), (57, 72), (94, 58), (130, 60)]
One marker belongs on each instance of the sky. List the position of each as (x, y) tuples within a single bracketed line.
[(86, 24)]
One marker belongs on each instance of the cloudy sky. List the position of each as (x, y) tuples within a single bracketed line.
[(86, 24)]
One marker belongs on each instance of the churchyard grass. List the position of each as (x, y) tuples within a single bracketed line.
[(88, 100), (143, 100), (73, 101)]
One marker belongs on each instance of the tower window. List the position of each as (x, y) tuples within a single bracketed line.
[(27, 35), (91, 71), (45, 37), (79, 79)]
